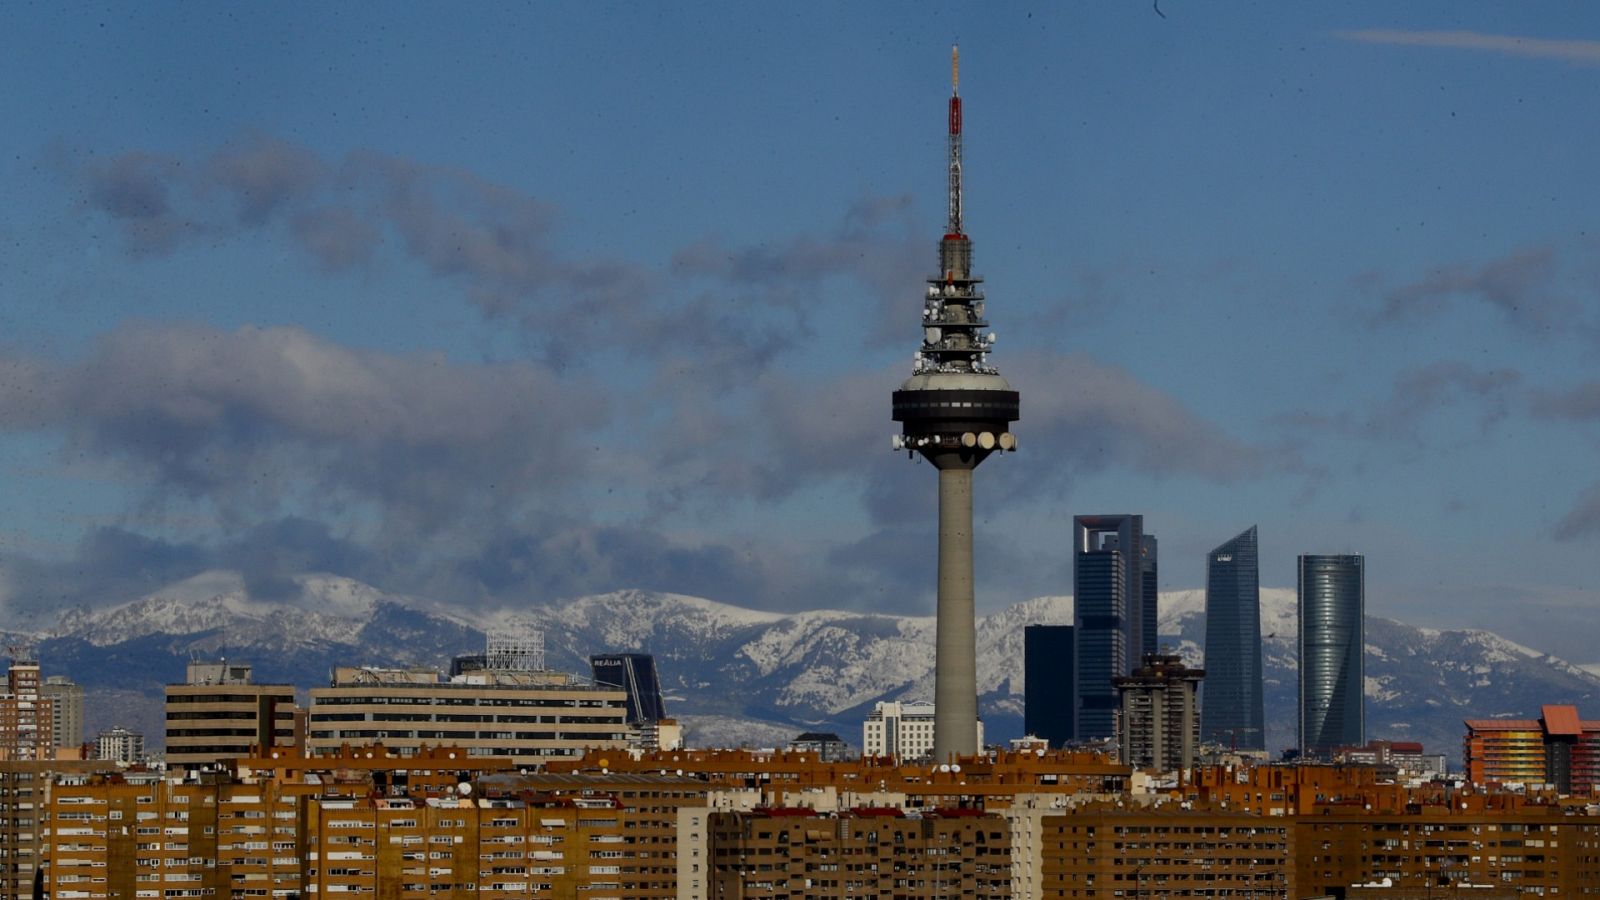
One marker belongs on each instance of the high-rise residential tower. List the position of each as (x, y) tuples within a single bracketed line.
[(1332, 592), (66, 715), (25, 715), (1114, 613), (1160, 727), (1232, 712), (955, 410), (1048, 673)]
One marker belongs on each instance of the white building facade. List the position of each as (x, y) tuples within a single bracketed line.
[(902, 729)]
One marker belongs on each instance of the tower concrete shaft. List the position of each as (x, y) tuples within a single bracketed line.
[(955, 410), (955, 677)]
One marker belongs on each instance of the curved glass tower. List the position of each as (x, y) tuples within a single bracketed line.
[(1332, 591), (1232, 712)]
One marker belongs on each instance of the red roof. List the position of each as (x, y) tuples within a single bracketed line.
[(1562, 720), (1406, 747), (1503, 724)]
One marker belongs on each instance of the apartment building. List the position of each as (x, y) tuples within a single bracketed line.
[(991, 781), (24, 788), (1482, 842), (1104, 850), (872, 852), (26, 716), (66, 712), (1159, 727), (506, 838)]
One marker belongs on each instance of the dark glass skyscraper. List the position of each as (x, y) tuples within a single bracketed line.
[(1231, 711), (1048, 673), (636, 674), (1332, 592), (1114, 613)]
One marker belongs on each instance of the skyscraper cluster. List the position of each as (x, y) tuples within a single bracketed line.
[(1079, 677), (955, 410)]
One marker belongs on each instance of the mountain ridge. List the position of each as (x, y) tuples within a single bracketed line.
[(796, 671)]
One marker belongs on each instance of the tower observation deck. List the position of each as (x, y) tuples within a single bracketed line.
[(955, 410)]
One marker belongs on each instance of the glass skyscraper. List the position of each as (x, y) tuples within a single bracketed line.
[(1048, 673), (1232, 712), (1114, 613), (636, 674), (1332, 591)]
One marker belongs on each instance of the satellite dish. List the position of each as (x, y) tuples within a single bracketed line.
[(464, 788)]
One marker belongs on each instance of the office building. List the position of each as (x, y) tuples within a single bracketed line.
[(1048, 673), (1149, 613), (1232, 711), (902, 729), (1160, 722), (120, 745), (66, 712), (1332, 594), (634, 674), (1559, 748), (220, 713), (1114, 613), (527, 715)]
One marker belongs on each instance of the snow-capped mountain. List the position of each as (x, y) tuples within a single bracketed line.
[(736, 674)]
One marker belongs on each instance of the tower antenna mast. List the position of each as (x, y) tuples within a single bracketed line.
[(953, 228)]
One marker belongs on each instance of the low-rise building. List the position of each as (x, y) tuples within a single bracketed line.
[(528, 716), (1403, 758), (902, 730), (827, 746)]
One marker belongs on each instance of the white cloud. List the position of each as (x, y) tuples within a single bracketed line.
[(1580, 52)]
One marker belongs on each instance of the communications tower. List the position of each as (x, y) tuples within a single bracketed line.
[(955, 410)]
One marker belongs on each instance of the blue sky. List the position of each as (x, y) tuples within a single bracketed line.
[(507, 304)]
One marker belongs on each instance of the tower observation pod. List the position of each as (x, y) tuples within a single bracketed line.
[(955, 410)]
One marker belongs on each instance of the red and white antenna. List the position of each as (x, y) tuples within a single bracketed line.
[(953, 227)]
